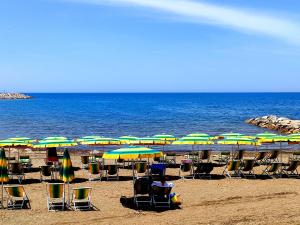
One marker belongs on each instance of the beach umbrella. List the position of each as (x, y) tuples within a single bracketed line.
[(239, 141), (132, 152), (149, 141), (55, 138), (3, 172), (24, 139), (54, 143), (9, 143), (166, 137), (198, 135), (193, 141), (127, 139), (67, 171), (99, 141), (265, 135)]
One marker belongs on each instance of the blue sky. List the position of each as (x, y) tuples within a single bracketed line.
[(149, 45)]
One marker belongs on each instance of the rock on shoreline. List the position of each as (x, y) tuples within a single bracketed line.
[(14, 96), (281, 124)]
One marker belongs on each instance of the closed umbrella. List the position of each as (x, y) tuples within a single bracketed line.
[(67, 171), (3, 172)]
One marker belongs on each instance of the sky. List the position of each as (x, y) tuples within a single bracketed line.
[(150, 46)]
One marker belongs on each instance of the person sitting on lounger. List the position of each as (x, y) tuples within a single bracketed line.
[(162, 183)]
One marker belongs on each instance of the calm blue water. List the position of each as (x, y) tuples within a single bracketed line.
[(113, 115)]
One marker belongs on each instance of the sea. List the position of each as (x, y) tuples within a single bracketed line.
[(75, 115)]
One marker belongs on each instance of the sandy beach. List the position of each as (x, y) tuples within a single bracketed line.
[(216, 201)]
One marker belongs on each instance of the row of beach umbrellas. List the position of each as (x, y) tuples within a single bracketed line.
[(163, 139)]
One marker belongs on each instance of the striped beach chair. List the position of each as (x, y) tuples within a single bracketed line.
[(140, 169), (186, 169), (46, 171), (17, 197), (232, 169), (16, 169), (55, 196), (239, 154), (112, 172), (25, 160), (205, 156), (273, 170), (84, 161), (94, 171), (247, 168), (142, 191), (260, 158), (291, 169), (82, 198)]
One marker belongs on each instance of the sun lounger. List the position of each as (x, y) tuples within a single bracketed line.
[(273, 170), (205, 156), (170, 158), (232, 169), (261, 157), (46, 171), (112, 172), (94, 171), (142, 191), (84, 161), (158, 169), (55, 196), (140, 169), (161, 196), (291, 169), (25, 161), (271, 157), (247, 168), (186, 169), (82, 198), (17, 197), (239, 154), (222, 157), (15, 169), (203, 170)]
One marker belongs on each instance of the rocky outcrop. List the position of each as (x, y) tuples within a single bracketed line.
[(280, 124), (14, 96)]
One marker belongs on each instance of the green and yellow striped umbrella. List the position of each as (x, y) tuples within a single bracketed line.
[(239, 141), (24, 139), (274, 139), (98, 141), (54, 143), (126, 140), (55, 138), (14, 143), (67, 171), (166, 137), (149, 141), (198, 135), (265, 135), (132, 152), (189, 140)]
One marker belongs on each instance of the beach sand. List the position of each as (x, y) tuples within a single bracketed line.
[(219, 201)]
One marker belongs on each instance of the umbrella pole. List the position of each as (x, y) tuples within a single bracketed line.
[(69, 194), (2, 193)]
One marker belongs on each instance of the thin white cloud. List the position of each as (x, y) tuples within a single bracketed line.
[(235, 18)]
